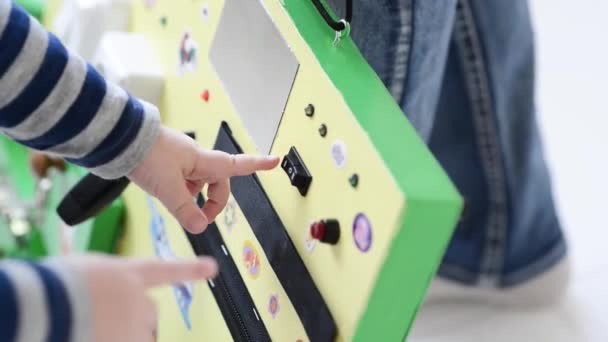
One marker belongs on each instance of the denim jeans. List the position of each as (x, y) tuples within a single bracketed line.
[(463, 72)]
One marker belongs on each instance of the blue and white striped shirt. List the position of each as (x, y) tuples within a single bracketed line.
[(51, 100)]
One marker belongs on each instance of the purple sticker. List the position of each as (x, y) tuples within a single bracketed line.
[(362, 233), (150, 3), (273, 305)]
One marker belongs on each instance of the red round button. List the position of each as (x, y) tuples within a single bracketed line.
[(317, 230)]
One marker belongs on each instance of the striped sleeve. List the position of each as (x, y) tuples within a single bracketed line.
[(36, 304), (52, 101)]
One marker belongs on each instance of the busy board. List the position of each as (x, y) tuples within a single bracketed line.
[(339, 242)]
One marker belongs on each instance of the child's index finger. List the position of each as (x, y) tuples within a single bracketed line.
[(156, 273), (244, 165)]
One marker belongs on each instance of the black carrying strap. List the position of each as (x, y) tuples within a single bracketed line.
[(279, 249), (336, 25), (89, 197)]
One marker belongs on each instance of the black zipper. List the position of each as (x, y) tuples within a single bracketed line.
[(228, 288), (228, 308), (278, 248)]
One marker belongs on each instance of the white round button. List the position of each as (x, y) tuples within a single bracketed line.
[(339, 153)]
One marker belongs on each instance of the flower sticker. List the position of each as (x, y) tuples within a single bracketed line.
[(273, 305), (251, 259)]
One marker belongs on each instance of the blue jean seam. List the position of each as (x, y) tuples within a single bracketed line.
[(480, 97), (404, 39)]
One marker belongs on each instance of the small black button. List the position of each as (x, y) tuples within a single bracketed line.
[(297, 172), (323, 130), (309, 110), (354, 180)]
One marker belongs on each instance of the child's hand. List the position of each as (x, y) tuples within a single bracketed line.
[(121, 310), (176, 169)]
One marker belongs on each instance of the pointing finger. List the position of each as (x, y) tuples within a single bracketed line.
[(243, 165), (151, 313), (154, 272), (215, 165)]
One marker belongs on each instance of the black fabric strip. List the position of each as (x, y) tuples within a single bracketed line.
[(229, 289), (279, 249), (336, 25)]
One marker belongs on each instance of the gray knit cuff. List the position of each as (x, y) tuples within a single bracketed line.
[(128, 160)]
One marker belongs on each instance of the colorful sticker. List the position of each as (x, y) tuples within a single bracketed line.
[(205, 95), (149, 3), (273, 305), (230, 215), (251, 259), (188, 53), (205, 12), (162, 249), (309, 241), (362, 233), (338, 153)]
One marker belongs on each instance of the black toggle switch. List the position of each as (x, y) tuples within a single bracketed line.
[(296, 171)]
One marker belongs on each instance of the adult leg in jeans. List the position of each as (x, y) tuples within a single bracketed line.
[(463, 71), (485, 134), (509, 248)]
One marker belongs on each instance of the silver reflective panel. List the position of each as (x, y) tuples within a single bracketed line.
[(255, 66)]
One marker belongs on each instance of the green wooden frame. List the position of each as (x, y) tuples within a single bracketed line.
[(433, 204)]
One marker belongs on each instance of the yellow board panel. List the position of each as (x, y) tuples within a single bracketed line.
[(138, 241), (341, 272)]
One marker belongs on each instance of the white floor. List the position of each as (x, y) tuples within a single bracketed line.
[(572, 41)]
